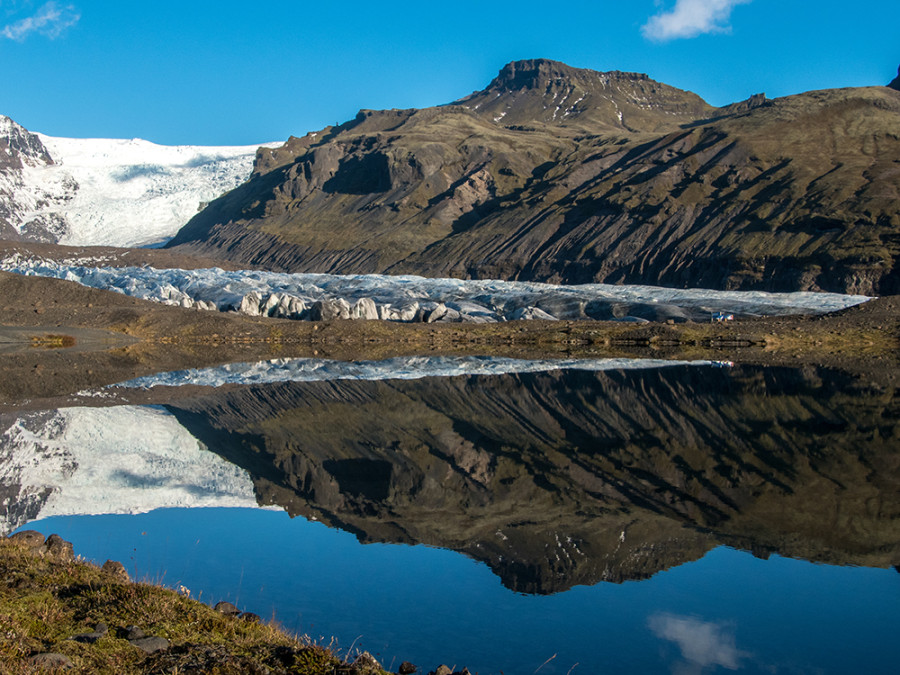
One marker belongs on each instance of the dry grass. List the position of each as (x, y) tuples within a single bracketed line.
[(45, 601)]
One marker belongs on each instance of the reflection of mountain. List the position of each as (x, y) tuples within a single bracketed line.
[(566, 478), (107, 460)]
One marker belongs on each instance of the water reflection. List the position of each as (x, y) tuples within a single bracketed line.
[(573, 477), (555, 481)]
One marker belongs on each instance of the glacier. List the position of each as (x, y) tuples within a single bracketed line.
[(412, 298), (127, 459), (112, 192)]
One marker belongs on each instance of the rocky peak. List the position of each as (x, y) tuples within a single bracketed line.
[(549, 92), (18, 146), (543, 74), (895, 84)]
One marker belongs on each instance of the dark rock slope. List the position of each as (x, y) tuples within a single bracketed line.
[(561, 174), (568, 478)]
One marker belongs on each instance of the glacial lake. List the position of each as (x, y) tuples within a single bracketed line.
[(572, 517)]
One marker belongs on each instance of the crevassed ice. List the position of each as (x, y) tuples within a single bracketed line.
[(131, 192), (128, 459), (401, 368), (488, 299)]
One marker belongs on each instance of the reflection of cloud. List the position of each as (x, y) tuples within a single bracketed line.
[(690, 18), (50, 21), (703, 644)]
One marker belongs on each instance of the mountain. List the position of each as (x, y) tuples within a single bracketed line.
[(895, 83), (105, 191), (561, 174)]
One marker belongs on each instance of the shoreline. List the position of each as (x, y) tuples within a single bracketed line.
[(61, 613)]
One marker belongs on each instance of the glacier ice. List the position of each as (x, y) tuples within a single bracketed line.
[(128, 459), (412, 298)]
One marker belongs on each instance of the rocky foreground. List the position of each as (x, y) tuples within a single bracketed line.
[(59, 613)]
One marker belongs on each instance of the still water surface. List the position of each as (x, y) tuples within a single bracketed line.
[(689, 519)]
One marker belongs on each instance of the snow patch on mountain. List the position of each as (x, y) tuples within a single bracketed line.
[(113, 192), (130, 459)]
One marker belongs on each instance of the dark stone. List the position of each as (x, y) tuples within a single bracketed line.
[(58, 547), (134, 633), (29, 538), (441, 670), (250, 616), (100, 630), (151, 644), (227, 608), (116, 569), (406, 668), (51, 661)]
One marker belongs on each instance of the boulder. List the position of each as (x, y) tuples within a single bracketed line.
[(116, 569), (28, 538), (99, 631), (58, 547), (151, 644), (227, 608)]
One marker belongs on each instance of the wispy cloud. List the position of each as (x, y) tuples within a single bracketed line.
[(703, 644), (50, 21), (690, 18)]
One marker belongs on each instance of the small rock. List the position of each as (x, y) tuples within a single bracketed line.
[(134, 633), (100, 630), (366, 664), (116, 569), (441, 670), (406, 668), (29, 538), (51, 660), (58, 547), (250, 616), (227, 608), (151, 644)]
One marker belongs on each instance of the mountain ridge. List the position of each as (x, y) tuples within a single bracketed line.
[(561, 174)]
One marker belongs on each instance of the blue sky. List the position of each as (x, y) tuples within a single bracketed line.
[(239, 73)]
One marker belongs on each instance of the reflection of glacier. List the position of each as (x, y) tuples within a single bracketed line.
[(410, 298), (400, 368), (110, 460)]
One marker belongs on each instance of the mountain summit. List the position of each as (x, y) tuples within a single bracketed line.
[(546, 91)]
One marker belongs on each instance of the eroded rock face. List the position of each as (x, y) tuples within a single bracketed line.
[(558, 479), (559, 174), (21, 198)]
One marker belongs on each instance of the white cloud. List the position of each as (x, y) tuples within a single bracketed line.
[(50, 21), (703, 644), (690, 18)]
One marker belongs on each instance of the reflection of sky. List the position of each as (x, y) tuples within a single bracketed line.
[(724, 613), (703, 644)]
